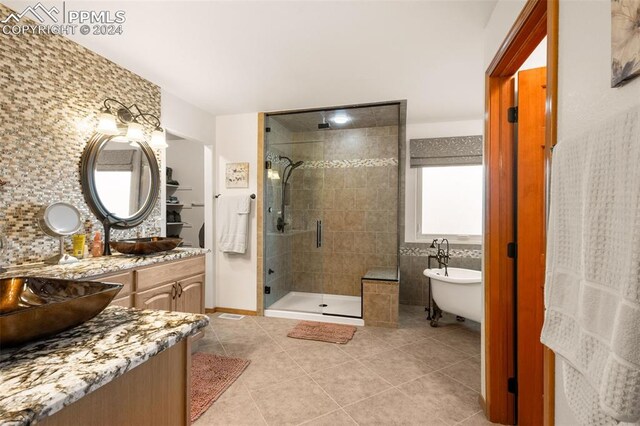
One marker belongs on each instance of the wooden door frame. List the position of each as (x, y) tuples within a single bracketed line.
[(539, 18)]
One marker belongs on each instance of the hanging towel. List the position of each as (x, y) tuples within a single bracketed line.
[(592, 292), (233, 217)]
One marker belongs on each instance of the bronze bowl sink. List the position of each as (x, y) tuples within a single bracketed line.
[(34, 308), (145, 246)]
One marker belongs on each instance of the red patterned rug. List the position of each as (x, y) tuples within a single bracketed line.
[(323, 331), (211, 375)]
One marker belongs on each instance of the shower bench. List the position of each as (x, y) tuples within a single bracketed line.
[(380, 297)]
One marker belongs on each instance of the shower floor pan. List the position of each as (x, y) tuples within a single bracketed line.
[(306, 306)]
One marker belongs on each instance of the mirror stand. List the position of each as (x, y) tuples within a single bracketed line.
[(61, 258), (107, 223)]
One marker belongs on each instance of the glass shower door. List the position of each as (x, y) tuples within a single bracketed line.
[(292, 219)]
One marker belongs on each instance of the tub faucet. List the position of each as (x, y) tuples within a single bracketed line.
[(442, 255)]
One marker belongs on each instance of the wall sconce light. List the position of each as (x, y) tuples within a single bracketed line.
[(107, 124), (158, 139), (114, 111), (135, 132)]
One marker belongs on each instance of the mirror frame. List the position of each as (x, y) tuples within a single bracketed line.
[(89, 190)]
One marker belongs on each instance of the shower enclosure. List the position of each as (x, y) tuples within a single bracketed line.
[(330, 210)]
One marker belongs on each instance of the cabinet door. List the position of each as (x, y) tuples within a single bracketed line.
[(162, 298), (191, 295), (124, 278), (125, 302)]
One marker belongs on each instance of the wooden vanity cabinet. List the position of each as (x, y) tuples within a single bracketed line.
[(124, 298), (160, 298), (169, 286), (190, 295)]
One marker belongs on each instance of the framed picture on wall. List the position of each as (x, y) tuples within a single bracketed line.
[(237, 175), (625, 41)]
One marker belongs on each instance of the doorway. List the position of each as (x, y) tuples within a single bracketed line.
[(519, 370)]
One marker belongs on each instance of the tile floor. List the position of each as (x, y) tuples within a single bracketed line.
[(413, 375)]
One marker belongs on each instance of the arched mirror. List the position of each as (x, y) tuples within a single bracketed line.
[(120, 180)]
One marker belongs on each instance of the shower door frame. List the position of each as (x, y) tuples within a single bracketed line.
[(261, 172)]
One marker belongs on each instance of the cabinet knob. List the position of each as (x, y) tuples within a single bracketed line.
[(180, 287), (174, 292)]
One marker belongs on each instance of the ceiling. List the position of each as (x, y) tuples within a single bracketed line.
[(354, 118), (243, 56)]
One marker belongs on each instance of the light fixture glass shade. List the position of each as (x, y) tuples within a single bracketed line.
[(158, 139), (107, 124), (119, 139), (135, 132)]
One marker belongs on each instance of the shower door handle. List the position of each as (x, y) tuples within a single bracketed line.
[(318, 233)]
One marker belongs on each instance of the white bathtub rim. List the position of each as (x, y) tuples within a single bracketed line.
[(469, 276)]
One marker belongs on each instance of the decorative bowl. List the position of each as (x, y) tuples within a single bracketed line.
[(33, 308), (145, 246)]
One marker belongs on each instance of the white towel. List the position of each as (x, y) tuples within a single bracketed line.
[(592, 293), (233, 218)]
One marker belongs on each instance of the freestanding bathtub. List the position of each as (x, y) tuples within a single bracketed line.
[(460, 293)]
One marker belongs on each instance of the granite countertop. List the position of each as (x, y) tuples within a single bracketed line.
[(43, 377), (99, 265)]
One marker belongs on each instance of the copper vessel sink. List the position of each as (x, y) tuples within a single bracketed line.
[(144, 246), (34, 308)]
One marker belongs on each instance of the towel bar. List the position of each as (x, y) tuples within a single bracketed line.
[(253, 196)]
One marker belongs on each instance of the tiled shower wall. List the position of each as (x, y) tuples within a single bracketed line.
[(51, 91), (349, 181)]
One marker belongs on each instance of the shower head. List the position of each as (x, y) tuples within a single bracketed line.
[(289, 168)]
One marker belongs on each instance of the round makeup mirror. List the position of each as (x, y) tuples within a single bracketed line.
[(60, 220)]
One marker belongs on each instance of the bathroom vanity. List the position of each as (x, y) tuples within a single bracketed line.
[(125, 366), (171, 281), (87, 373)]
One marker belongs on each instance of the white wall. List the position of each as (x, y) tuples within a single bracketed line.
[(538, 57), (185, 157), (187, 121), (236, 276), (429, 130), (585, 94), (498, 26)]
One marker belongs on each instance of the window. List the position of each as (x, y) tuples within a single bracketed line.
[(114, 188), (450, 202)]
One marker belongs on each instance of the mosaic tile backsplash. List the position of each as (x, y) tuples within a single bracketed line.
[(51, 90)]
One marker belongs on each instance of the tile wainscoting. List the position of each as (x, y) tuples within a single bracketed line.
[(414, 286)]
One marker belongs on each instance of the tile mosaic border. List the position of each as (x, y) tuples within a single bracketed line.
[(339, 164), (426, 251)]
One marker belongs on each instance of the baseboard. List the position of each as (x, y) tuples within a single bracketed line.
[(483, 404), (230, 311)]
